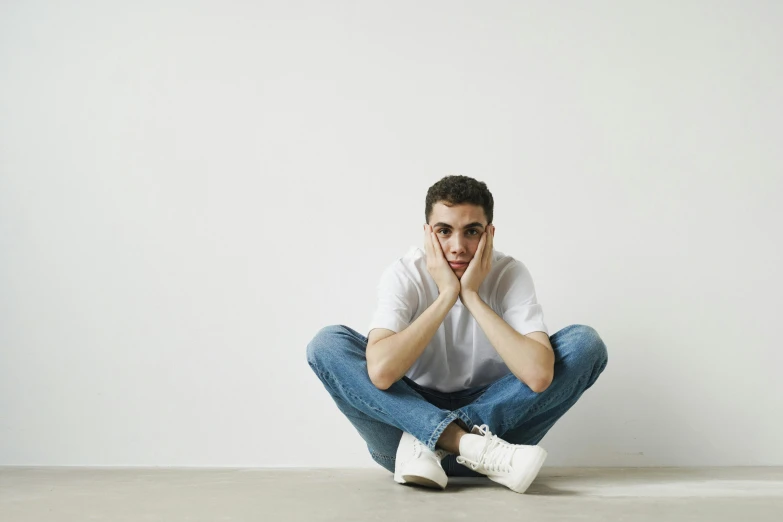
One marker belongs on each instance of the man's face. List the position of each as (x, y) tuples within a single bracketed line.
[(458, 228)]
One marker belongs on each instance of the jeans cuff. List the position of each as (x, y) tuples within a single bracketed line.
[(461, 415), (454, 415)]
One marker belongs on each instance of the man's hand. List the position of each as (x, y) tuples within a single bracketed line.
[(437, 265), (479, 266)]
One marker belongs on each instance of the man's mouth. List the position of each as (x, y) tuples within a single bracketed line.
[(458, 265)]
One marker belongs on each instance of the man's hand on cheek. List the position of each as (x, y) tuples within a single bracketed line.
[(438, 267), (480, 266)]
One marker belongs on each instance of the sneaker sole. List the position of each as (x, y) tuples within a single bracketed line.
[(422, 475), (421, 481)]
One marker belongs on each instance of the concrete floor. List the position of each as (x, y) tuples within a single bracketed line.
[(265, 495)]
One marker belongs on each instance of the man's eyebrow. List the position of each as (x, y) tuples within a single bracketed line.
[(471, 225)]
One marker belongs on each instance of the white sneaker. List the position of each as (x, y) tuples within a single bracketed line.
[(417, 464), (513, 465)]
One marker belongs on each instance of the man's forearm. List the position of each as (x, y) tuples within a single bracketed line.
[(531, 361), (394, 355)]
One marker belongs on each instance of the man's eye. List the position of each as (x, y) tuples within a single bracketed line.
[(471, 232)]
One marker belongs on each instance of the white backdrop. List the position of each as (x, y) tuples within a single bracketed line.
[(190, 191)]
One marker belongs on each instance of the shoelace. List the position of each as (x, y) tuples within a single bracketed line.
[(496, 454)]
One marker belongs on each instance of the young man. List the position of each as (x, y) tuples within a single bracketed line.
[(458, 376)]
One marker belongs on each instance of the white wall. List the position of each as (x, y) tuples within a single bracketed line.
[(189, 192)]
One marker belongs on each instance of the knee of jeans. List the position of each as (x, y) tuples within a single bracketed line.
[(587, 346), (325, 343)]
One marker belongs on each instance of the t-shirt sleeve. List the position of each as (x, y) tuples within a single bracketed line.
[(518, 304), (397, 301)]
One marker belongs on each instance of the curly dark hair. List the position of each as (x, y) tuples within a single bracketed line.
[(456, 190)]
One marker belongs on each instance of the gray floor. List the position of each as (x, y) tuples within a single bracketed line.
[(171, 495)]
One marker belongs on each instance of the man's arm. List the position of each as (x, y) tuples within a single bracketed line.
[(532, 361), (390, 358)]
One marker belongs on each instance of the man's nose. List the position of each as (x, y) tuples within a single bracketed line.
[(457, 246)]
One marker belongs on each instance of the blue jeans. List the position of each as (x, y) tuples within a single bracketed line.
[(511, 410)]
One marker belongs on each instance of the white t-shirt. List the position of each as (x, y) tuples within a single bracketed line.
[(459, 356)]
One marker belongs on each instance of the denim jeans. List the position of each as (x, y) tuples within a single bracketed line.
[(508, 406)]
